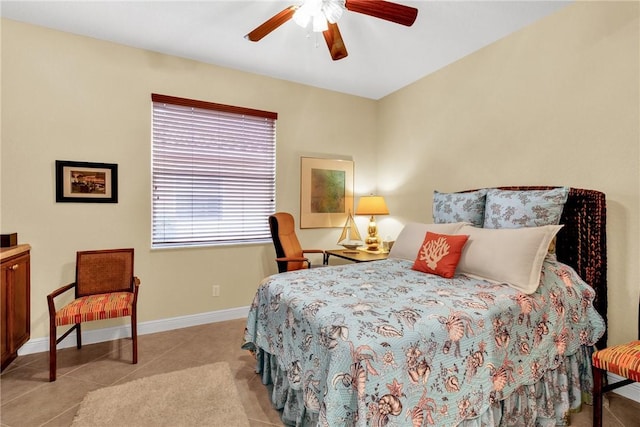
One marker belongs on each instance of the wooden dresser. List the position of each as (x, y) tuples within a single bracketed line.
[(16, 296)]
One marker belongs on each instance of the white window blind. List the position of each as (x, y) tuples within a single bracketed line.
[(213, 171)]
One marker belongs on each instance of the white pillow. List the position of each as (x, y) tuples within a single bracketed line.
[(411, 237), (508, 255)]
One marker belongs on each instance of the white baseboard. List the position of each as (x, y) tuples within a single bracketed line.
[(38, 345), (631, 391)]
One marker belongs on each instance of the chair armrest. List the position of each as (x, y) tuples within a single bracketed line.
[(298, 259), (315, 251), (292, 259), (61, 290), (295, 259), (52, 295), (136, 284)]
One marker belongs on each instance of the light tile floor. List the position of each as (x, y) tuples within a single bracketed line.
[(28, 399)]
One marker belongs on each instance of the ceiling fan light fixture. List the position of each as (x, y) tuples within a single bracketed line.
[(302, 16), (333, 10), (320, 23), (318, 12)]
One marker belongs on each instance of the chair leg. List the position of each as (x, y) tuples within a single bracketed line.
[(52, 351), (134, 336), (54, 341), (598, 378), (78, 336)]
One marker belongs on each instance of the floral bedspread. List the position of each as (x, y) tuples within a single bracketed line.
[(380, 344)]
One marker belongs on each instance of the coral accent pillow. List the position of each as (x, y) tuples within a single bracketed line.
[(439, 254)]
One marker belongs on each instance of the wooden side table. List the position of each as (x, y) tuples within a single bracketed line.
[(354, 255)]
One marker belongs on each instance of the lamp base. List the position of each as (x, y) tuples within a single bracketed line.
[(372, 242)]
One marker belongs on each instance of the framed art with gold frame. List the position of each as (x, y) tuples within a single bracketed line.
[(326, 192)]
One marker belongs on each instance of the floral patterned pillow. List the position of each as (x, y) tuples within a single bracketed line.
[(459, 207), (526, 208)]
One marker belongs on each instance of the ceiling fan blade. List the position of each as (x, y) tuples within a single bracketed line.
[(394, 12), (271, 24), (334, 41)]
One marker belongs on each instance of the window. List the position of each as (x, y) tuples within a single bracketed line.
[(213, 170)]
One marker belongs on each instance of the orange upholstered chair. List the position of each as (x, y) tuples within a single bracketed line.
[(105, 288), (622, 360), (289, 253)]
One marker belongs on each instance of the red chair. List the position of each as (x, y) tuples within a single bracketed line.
[(105, 288), (622, 360)]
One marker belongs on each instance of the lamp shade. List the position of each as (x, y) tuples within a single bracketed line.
[(372, 205)]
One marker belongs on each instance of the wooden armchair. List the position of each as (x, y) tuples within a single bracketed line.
[(622, 360), (105, 288), (289, 253)]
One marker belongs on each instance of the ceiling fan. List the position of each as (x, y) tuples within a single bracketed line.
[(324, 15)]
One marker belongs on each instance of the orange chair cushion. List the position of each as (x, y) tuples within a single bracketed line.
[(96, 307), (623, 360)]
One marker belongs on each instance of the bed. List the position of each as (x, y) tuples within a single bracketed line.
[(382, 343)]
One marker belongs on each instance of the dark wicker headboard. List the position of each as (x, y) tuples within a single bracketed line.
[(582, 242)]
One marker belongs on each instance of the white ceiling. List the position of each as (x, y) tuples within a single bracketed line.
[(383, 56)]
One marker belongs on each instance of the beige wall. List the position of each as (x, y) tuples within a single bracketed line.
[(554, 104), (66, 97)]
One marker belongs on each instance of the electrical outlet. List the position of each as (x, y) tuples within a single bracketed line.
[(215, 291)]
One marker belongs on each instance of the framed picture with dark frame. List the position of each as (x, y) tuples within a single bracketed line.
[(85, 182), (326, 192)]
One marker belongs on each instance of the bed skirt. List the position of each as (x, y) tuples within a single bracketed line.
[(549, 402)]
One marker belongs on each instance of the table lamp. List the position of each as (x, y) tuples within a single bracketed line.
[(372, 205)]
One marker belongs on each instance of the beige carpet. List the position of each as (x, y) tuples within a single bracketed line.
[(201, 396)]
